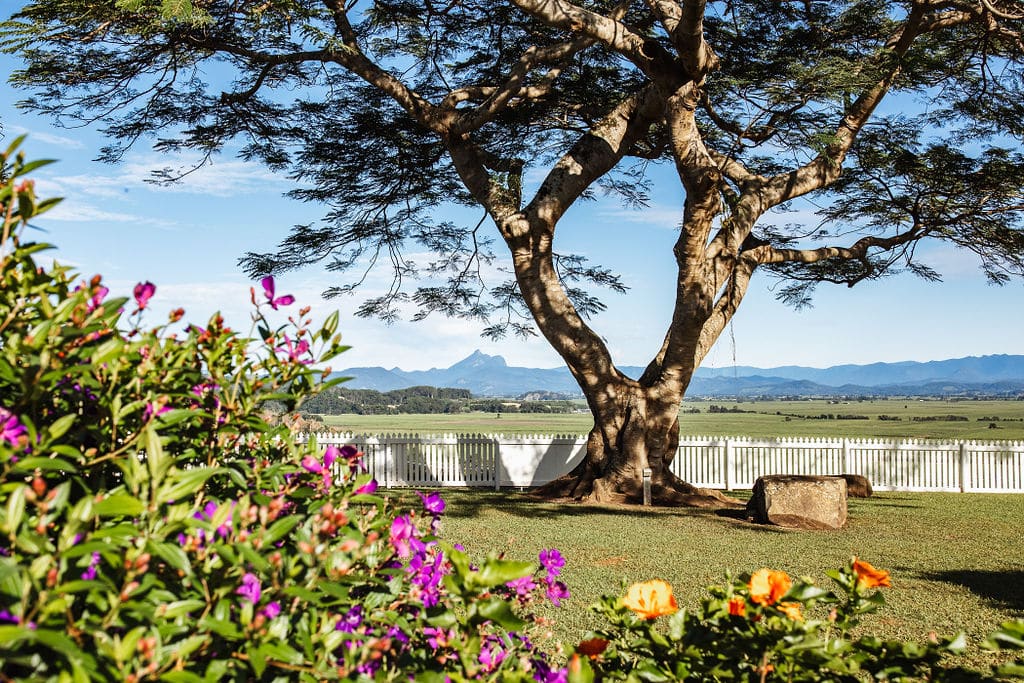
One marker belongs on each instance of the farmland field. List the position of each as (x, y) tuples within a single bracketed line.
[(908, 418)]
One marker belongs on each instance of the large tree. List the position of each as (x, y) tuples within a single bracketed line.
[(901, 119)]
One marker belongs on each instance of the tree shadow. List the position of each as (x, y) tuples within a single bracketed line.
[(525, 506), (1004, 589)]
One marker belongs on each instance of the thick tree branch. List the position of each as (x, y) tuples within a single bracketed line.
[(858, 251), (593, 155), (647, 55)]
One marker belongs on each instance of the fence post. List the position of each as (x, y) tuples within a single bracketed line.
[(963, 466), (497, 463), (846, 456), (728, 458)]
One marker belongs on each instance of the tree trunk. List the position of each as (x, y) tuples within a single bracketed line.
[(634, 429)]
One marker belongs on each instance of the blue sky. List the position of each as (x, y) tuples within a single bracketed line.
[(187, 239)]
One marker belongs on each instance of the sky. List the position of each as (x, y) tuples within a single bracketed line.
[(187, 239)]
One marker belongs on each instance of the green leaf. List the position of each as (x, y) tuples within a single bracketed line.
[(15, 508), (499, 572), (222, 627), (173, 610), (580, 671), (500, 612), (156, 461), (60, 426), (183, 483), (280, 528), (171, 554), (119, 504)]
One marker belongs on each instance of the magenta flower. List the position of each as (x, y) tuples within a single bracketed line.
[(368, 487), (90, 572), (268, 291), (11, 429), (432, 502), (553, 561), (153, 409), (522, 586), (250, 588), (296, 351), (402, 531), (143, 292), (311, 464), (352, 620), (271, 610), (491, 654), (557, 591), (331, 453)]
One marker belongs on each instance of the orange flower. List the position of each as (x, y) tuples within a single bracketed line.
[(592, 648), (737, 606), (768, 585), (791, 610), (868, 576), (651, 599)]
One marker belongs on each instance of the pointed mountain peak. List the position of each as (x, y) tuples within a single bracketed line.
[(478, 360)]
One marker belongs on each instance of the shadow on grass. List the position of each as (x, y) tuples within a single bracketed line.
[(1004, 589)]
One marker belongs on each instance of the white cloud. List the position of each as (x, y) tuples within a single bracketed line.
[(36, 135)]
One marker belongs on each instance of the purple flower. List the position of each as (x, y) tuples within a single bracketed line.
[(553, 561), (206, 515), (352, 620), (398, 634), (99, 292), (268, 291), (432, 502), (311, 464), (250, 588), (557, 591), (402, 532), (522, 586), (153, 409), (331, 453), (437, 637), (90, 572), (491, 654), (427, 577), (271, 610), (143, 292), (543, 673), (368, 487), (7, 617), (296, 351), (11, 429)]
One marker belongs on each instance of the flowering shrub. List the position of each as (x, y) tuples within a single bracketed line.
[(767, 626), (153, 525)]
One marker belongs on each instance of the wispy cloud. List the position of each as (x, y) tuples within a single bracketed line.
[(85, 213), (36, 135)]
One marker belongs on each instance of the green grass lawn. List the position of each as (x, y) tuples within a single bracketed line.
[(764, 419), (957, 560)]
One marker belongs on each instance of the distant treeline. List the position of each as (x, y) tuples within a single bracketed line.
[(421, 400)]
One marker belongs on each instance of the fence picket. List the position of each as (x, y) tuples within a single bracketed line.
[(475, 460)]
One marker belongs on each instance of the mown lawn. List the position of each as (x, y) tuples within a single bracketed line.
[(957, 560)]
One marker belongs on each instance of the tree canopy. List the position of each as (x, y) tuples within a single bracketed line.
[(900, 120)]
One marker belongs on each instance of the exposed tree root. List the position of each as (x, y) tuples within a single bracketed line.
[(670, 491)]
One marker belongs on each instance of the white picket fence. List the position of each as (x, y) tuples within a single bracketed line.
[(497, 460)]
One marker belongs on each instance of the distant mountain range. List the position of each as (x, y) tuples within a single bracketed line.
[(484, 375)]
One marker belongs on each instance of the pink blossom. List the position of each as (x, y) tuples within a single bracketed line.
[(311, 464), (143, 292), (368, 487), (296, 351), (268, 291), (11, 429), (250, 588)]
